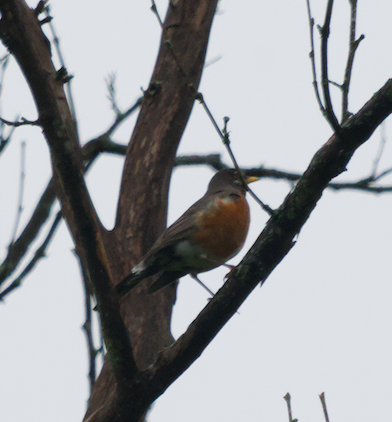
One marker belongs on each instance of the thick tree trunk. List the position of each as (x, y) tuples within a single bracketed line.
[(142, 207)]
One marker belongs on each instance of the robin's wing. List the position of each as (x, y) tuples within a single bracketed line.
[(182, 228)]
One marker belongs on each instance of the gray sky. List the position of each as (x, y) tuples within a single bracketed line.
[(321, 322)]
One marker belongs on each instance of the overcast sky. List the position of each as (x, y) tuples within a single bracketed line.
[(321, 322)]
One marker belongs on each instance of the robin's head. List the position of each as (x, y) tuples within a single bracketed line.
[(229, 178)]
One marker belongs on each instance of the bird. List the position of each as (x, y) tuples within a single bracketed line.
[(212, 231)]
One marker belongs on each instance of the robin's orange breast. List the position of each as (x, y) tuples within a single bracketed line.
[(222, 229)]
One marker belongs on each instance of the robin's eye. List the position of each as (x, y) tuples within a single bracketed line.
[(237, 183)]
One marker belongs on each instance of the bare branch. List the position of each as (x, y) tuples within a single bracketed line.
[(212, 160), (87, 326), (353, 45), (39, 254), (22, 122), (21, 190), (324, 404), (17, 249), (313, 60), (287, 398), (111, 87), (56, 42), (121, 117), (155, 11), (3, 139), (325, 31), (381, 147), (223, 134), (383, 174)]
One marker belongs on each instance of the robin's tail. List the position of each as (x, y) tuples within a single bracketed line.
[(129, 282), (166, 278)]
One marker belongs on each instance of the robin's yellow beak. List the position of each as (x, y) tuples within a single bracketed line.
[(251, 179)]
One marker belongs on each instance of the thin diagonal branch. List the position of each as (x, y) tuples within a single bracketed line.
[(21, 191), (39, 254), (18, 249), (383, 174), (324, 404), (88, 324), (223, 134)]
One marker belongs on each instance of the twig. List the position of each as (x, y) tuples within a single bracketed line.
[(287, 397), (383, 174), (21, 191), (111, 86), (56, 42), (363, 186), (312, 59), (322, 398), (224, 135), (213, 160), (378, 156), (18, 249), (325, 30), (39, 254), (155, 11), (353, 45), (120, 117), (23, 122), (3, 141), (87, 326)]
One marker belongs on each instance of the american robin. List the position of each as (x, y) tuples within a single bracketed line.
[(208, 234)]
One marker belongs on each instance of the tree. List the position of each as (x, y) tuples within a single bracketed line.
[(180, 65)]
